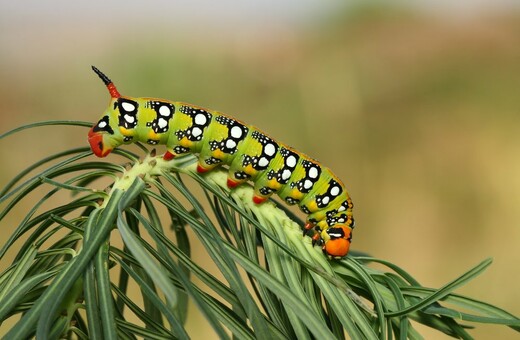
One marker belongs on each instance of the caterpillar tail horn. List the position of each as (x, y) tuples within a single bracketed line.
[(108, 83)]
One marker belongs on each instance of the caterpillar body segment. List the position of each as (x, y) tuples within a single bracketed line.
[(249, 154)]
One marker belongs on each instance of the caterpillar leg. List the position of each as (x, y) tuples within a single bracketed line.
[(202, 169), (168, 156), (259, 199), (262, 194), (263, 190), (175, 151), (236, 174), (207, 164), (316, 237), (231, 183), (308, 227), (335, 240)]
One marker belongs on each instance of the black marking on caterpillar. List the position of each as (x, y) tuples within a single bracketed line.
[(127, 113), (333, 191), (312, 175), (164, 113), (212, 161), (291, 200), (290, 160), (236, 133), (200, 120), (269, 149), (242, 175), (180, 150), (103, 125)]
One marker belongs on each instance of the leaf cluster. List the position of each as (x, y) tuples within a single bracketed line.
[(70, 279)]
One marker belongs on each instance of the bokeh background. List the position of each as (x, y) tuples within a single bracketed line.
[(415, 105)]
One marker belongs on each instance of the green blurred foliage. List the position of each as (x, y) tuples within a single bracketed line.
[(419, 115)]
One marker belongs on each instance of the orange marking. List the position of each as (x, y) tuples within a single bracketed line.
[(201, 170), (296, 194), (231, 183), (185, 142), (153, 135), (259, 199), (168, 156), (125, 132), (336, 248), (249, 170), (273, 184), (312, 206), (218, 154), (315, 238)]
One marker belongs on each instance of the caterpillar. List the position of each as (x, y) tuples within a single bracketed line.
[(249, 154)]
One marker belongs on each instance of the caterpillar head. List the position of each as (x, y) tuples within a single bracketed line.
[(101, 137), (336, 240)]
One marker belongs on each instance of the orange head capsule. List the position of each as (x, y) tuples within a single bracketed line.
[(337, 241), (98, 146)]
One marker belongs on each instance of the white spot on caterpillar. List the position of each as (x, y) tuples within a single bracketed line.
[(129, 119), (200, 119), (286, 174), (334, 191), (162, 122), (313, 172), (195, 132), (230, 144), (128, 107), (341, 220), (325, 200), (102, 124), (342, 208), (335, 235), (307, 184), (263, 161), (291, 161), (269, 149), (164, 111), (236, 132)]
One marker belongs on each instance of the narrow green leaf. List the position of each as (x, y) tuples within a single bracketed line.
[(182, 277), (446, 289), (18, 293), (45, 123), (105, 297), (318, 329), (146, 261), (52, 297), (17, 274), (149, 321), (154, 298), (224, 261)]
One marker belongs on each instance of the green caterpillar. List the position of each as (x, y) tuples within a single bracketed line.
[(249, 154)]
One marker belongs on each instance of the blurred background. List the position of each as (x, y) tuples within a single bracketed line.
[(415, 105)]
